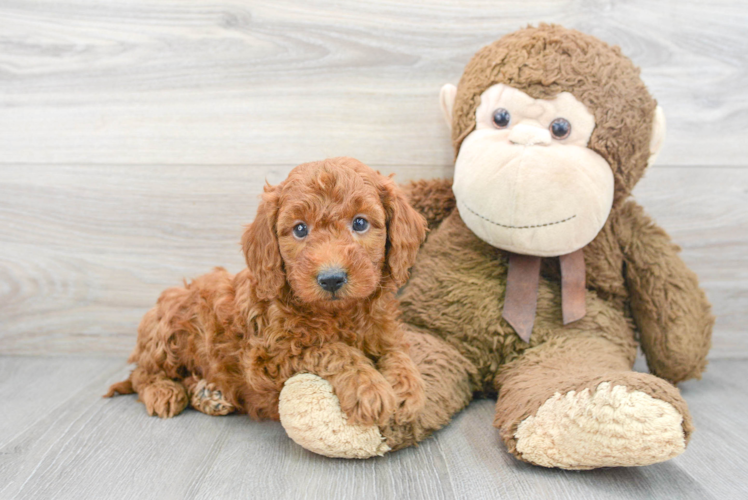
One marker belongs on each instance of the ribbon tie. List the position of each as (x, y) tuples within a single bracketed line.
[(521, 299)]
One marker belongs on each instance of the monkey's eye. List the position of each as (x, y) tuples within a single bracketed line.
[(300, 230), (560, 128), (501, 118), (360, 224)]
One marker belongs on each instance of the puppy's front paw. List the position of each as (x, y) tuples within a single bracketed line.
[(367, 399), (408, 387), (165, 398)]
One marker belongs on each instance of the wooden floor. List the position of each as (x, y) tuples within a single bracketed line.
[(136, 136), (59, 439)]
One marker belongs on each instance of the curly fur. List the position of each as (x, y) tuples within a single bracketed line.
[(246, 334)]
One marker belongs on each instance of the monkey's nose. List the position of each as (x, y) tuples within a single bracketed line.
[(332, 279), (529, 135)]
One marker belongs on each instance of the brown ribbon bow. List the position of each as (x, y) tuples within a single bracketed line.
[(521, 297)]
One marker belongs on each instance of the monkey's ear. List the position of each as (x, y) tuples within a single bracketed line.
[(260, 246), (447, 102), (658, 135)]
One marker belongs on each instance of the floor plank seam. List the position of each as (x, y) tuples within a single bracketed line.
[(210, 460)]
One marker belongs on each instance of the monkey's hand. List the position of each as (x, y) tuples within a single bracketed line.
[(671, 311)]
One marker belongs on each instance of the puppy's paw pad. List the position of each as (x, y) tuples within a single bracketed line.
[(209, 400)]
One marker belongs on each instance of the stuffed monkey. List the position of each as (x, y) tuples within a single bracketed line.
[(540, 275)]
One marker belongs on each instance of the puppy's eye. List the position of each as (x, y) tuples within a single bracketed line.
[(360, 224), (300, 230), (501, 118), (560, 128)]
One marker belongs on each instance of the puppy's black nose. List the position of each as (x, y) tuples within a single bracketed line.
[(332, 279)]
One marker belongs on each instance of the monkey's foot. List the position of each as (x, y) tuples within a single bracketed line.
[(310, 412), (609, 427), (209, 400)]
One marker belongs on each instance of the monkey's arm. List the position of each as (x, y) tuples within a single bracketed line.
[(432, 198), (670, 310)]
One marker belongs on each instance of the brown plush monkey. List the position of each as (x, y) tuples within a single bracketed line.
[(540, 274)]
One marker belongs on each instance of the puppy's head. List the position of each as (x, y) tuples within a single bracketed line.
[(336, 231)]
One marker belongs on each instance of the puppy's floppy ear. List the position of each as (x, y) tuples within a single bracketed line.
[(406, 230), (260, 246)]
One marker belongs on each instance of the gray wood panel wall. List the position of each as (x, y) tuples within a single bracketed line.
[(135, 136)]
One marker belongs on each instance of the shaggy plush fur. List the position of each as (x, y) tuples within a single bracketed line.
[(548, 60), (240, 337), (638, 289)]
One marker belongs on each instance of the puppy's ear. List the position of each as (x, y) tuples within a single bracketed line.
[(406, 230), (260, 246)]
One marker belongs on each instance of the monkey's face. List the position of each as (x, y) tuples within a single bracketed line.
[(525, 180)]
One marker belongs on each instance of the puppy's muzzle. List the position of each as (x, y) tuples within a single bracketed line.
[(331, 280)]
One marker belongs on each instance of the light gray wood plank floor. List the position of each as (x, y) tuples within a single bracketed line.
[(59, 439)]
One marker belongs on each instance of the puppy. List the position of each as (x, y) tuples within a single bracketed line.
[(325, 255)]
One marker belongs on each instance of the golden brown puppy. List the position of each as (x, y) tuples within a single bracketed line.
[(325, 255)]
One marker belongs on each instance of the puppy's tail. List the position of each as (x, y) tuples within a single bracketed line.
[(124, 387)]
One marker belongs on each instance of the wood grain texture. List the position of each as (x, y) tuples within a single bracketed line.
[(34, 387), (87, 250), (137, 135), (226, 82), (83, 446)]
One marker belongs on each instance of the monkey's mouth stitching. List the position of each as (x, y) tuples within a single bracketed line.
[(517, 227)]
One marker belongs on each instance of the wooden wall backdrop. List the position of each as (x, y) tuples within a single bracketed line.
[(136, 135)]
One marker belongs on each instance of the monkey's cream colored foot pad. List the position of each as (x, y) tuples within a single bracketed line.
[(608, 428), (310, 412)]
